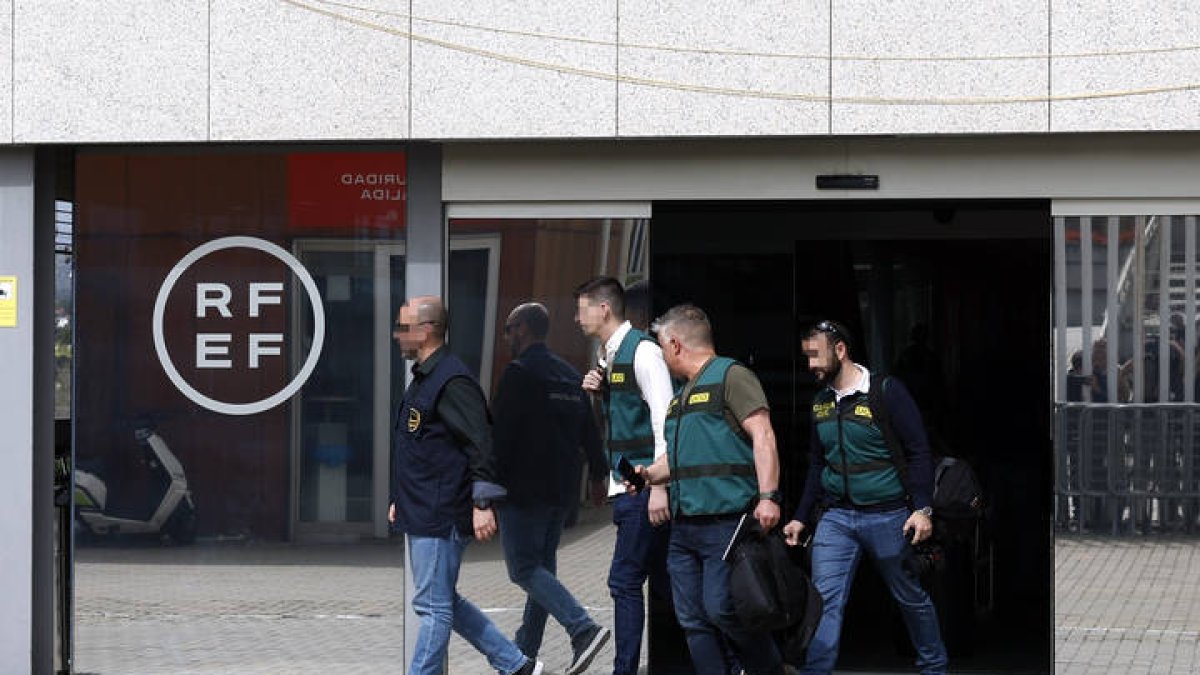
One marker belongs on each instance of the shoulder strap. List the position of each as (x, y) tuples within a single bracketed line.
[(883, 417)]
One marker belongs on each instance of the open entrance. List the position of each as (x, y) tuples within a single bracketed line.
[(955, 298)]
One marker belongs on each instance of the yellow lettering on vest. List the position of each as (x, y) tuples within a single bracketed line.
[(702, 397), (863, 411), (414, 420), (823, 410), (616, 378)]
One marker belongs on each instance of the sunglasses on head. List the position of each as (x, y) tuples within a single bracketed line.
[(830, 329)]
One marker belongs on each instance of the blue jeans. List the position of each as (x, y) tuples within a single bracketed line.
[(840, 540), (700, 584), (640, 552), (530, 537), (435, 562)]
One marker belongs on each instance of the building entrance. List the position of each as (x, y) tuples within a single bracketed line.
[(954, 298)]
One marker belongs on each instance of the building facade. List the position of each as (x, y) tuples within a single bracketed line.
[(245, 191)]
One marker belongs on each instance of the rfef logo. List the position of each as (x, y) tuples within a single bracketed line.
[(215, 301)]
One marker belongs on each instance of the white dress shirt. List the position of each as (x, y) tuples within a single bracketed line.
[(654, 382)]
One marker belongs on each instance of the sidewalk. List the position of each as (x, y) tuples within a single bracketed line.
[(272, 608), (1121, 606), (1126, 605)]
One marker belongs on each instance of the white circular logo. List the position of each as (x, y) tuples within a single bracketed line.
[(314, 354)]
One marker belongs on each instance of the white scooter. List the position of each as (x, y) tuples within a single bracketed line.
[(169, 508)]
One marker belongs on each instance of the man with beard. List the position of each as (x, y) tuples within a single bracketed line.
[(873, 505)]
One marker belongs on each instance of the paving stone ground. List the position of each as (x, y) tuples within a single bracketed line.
[(1126, 605), (1121, 605), (237, 607)]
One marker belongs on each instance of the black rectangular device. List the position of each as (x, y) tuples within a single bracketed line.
[(625, 468)]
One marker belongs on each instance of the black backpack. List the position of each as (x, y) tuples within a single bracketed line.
[(957, 494), (956, 490)]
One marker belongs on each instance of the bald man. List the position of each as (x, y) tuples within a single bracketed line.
[(544, 426), (442, 490)]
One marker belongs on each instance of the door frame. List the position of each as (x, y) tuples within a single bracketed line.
[(383, 250)]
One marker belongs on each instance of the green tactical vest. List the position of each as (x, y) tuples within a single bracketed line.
[(712, 466), (629, 430), (858, 467)]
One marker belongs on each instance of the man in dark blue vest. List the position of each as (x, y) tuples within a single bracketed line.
[(442, 491), (633, 384), (543, 421), (874, 501), (721, 462)]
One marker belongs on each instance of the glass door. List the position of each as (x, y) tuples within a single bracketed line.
[(340, 432), (342, 420)]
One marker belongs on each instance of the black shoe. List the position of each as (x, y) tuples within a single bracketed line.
[(586, 645), (531, 667)]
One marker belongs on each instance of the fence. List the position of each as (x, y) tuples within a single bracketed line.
[(1127, 468)]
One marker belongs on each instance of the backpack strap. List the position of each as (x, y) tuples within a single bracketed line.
[(883, 417)]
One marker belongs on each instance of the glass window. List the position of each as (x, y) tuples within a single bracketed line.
[(1126, 373), (234, 377), (495, 266)]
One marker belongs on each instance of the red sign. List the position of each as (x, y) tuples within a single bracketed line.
[(347, 189)]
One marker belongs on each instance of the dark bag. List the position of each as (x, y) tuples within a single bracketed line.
[(956, 490), (769, 590)]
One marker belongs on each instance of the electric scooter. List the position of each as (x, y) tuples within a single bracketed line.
[(167, 509)]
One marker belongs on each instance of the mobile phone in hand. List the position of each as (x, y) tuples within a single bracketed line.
[(625, 468)]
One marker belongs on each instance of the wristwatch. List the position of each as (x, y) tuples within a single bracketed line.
[(926, 511), (773, 495)]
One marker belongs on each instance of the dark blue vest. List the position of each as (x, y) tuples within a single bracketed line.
[(431, 487)]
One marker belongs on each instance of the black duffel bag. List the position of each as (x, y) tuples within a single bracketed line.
[(770, 590)]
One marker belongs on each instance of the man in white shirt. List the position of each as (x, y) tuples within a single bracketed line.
[(634, 385)]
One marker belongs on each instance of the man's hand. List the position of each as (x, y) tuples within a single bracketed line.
[(657, 473), (392, 513), (485, 523), (660, 506), (918, 527), (792, 532), (593, 381), (767, 514)]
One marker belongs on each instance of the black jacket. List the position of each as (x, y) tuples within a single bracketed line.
[(542, 421)]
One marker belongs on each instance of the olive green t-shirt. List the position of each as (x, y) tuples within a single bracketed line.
[(743, 395)]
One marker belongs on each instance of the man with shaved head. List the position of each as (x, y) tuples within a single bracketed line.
[(442, 490), (543, 425)]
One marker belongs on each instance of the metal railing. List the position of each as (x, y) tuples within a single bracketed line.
[(1127, 468)]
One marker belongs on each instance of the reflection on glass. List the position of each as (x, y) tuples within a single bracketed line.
[(273, 489), (540, 261), (1126, 334), (63, 307), (337, 448)]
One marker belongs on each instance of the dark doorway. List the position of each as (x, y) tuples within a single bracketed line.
[(974, 278)]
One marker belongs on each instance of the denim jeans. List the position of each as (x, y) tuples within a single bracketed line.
[(640, 552), (838, 545), (700, 583), (530, 537), (435, 563)]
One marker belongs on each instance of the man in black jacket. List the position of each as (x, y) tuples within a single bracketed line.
[(542, 423)]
